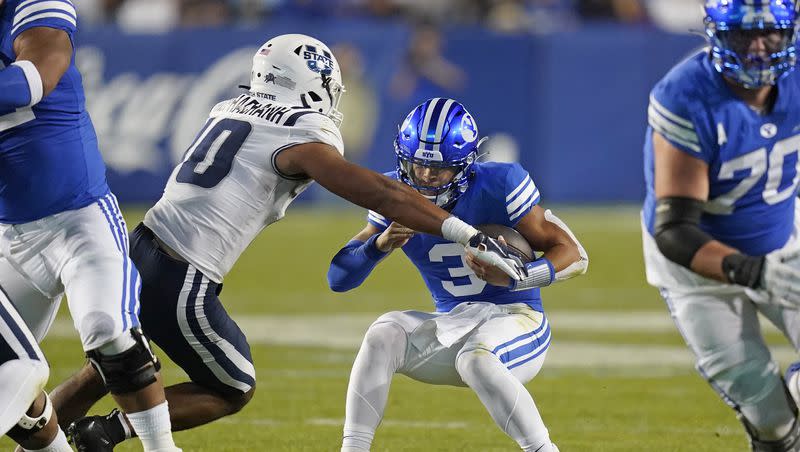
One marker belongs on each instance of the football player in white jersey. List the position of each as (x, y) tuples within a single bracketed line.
[(254, 155)]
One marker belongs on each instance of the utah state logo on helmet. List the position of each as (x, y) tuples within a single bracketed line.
[(298, 70), (439, 133)]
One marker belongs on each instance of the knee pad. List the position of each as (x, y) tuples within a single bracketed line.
[(385, 332), (388, 339), (129, 370), (28, 425)]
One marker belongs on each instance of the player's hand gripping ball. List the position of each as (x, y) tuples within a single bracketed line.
[(512, 242)]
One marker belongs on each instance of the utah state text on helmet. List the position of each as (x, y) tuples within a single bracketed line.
[(753, 42), (439, 135), (298, 70)]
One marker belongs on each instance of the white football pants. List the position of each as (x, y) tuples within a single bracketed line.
[(494, 356), (720, 324), (83, 253)]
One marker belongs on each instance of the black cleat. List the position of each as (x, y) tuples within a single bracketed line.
[(95, 433)]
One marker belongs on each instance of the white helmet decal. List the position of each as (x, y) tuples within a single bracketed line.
[(300, 71)]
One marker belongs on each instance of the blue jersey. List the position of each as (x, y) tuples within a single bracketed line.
[(49, 159), (499, 193), (752, 158)]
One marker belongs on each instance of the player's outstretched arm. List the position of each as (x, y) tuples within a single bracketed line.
[(682, 187), (363, 187), (355, 261), (390, 198), (43, 56)]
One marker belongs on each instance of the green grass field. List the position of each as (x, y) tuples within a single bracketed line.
[(617, 378)]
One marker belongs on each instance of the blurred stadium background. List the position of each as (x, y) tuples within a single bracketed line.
[(559, 85)]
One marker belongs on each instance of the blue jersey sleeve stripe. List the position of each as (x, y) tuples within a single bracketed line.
[(46, 15), (663, 111), (518, 189), (525, 207), (522, 198), (685, 134)]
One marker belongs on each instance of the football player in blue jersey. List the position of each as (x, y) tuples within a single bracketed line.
[(720, 225), (488, 332), (61, 230)]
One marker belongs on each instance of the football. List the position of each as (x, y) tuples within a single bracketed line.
[(516, 242)]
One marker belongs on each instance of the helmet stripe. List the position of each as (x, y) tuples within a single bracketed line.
[(440, 124), (426, 123)]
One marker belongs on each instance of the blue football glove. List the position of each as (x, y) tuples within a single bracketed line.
[(490, 251)]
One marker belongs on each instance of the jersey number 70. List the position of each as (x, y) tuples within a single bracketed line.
[(758, 163)]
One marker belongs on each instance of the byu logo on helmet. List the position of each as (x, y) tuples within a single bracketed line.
[(468, 130)]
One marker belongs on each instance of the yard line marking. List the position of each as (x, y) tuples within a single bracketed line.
[(455, 425), (344, 332)]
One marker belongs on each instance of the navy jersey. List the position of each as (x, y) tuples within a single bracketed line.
[(752, 158), (49, 158), (499, 193)]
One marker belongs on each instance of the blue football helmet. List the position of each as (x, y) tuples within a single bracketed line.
[(439, 134), (731, 26)]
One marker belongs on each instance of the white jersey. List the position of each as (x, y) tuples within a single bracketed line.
[(227, 189)]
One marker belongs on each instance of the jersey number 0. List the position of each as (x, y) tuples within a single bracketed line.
[(210, 158)]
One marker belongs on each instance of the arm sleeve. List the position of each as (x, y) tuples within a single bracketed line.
[(353, 263), (671, 114), (520, 194), (58, 14)]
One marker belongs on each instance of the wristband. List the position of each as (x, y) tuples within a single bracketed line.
[(540, 274)]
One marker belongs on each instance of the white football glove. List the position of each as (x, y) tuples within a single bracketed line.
[(781, 277), (489, 251)]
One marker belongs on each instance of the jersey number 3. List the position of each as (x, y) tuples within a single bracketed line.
[(210, 158), (758, 163), (475, 286)]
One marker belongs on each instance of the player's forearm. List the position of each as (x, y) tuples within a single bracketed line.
[(680, 239), (562, 255), (407, 207), (353, 263), (708, 260), (20, 86)]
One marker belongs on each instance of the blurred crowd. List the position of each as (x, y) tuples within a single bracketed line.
[(513, 16)]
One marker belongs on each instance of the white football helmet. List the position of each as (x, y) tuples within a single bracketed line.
[(298, 70)]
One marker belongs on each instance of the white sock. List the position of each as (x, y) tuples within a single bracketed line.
[(382, 353), (59, 444), (508, 402), (154, 429)]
